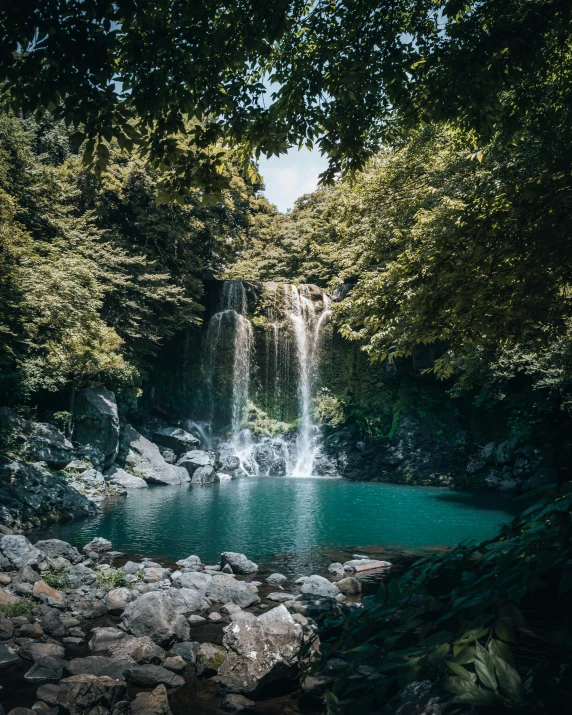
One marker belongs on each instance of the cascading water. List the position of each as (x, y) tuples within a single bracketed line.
[(294, 326)]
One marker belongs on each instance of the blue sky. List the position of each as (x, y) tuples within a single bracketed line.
[(291, 175)]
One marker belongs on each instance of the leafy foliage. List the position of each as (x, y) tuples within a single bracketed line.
[(458, 614), (112, 578)]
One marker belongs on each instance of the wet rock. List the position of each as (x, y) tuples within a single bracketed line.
[(193, 579), (191, 562), (278, 467), (276, 579), (318, 586), (510, 485), (280, 596), (99, 545), (81, 575), (349, 585), (238, 562), (336, 569), (48, 693), (82, 694), (230, 463), (55, 548), (168, 455), (47, 444), (7, 657), (36, 651), (105, 638), (117, 600), (476, 467), (260, 652), (205, 475), (145, 460), (154, 703), (49, 595), (138, 650), (100, 665), (6, 628), (96, 422), (225, 589), (48, 669), (176, 439), (147, 676), (155, 574), (197, 458), (209, 659), (19, 551), (417, 698), (196, 620), (124, 479), (215, 617), (190, 599), (158, 616), (234, 703), (186, 650), (358, 565)]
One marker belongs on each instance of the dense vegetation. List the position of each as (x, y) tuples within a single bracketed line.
[(95, 275)]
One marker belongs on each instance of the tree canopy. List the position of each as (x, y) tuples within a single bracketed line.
[(178, 81)]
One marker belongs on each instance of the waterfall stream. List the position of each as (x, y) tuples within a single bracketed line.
[(294, 324)]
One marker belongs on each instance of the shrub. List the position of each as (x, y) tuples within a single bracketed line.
[(57, 577), (111, 578), (21, 608)]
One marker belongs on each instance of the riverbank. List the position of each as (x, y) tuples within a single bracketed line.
[(154, 636)]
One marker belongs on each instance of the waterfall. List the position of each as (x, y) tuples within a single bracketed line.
[(284, 384)]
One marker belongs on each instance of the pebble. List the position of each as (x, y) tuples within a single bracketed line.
[(215, 616)]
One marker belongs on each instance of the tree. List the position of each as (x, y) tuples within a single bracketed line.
[(175, 79)]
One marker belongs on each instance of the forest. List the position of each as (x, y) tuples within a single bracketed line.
[(439, 238)]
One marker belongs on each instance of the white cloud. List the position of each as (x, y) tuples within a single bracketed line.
[(291, 175)]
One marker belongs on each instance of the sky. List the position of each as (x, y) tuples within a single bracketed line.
[(289, 176)]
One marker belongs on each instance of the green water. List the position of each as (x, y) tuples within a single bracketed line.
[(296, 523)]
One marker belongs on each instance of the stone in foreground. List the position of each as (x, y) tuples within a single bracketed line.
[(261, 651), (238, 563), (158, 616), (88, 693), (154, 703), (357, 565)]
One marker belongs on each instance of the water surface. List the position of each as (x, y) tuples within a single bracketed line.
[(297, 523)]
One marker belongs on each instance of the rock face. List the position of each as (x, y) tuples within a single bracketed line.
[(47, 444), (261, 651), (30, 495), (158, 616), (119, 476), (176, 439), (143, 459), (96, 422)]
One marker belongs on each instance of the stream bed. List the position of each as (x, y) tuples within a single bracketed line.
[(296, 525)]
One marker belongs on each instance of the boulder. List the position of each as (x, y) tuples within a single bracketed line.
[(81, 575), (100, 665), (105, 638), (234, 703), (48, 669), (476, 467), (35, 651), (144, 459), (55, 548), (205, 475), (192, 579), (138, 650), (47, 444), (238, 562), (87, 693), (318, 586), (175, 663), (276, 579), (349, 585), (6, 628), (153, 703), (230, 463), (261, 651), (19, 551), (51, 624), (49, 595), (48, 693), (31, 495), (98, 545), (147, 676), (225, 589), (158, 616), (280, 596), (7, 657), (175, 438), (191, 562), (186, 650), (210, 657), (119, 476), (191, 599), (117, 600), (96, 422), (154, 574), (197, 458), (357, 565), (7, 598), (336, 569)]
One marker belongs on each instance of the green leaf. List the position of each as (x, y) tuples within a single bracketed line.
[(504, 629)]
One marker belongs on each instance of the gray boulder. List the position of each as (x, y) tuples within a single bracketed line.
[(147, 676), (117, 600), (336, 569), (191, 562), (238, 562), (137, 650), (176, 439), (196, 458), (158, 616), (47, 444), (318, 586), (187, 650), (87, 693), (144, 459), (487, 453), (47, 670), (349, 585), (210, 657), (19, 551), (261, 651), (154, 703), (55, 548), (98, 545), (192, 579), (205, 475), (106, 638), (225, 589), (100, 665), (119, 476), (276, 579), (96, 422)]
